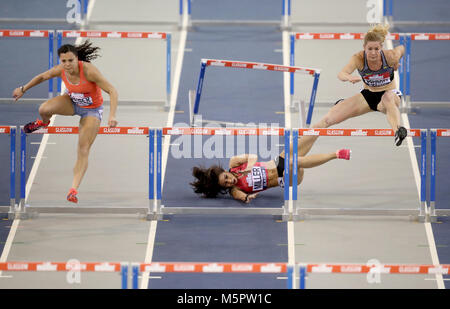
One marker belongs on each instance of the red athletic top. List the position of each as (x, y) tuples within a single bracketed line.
[(85, 94), (254, 181)]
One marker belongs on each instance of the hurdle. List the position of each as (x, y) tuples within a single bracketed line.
[(284, 211), (11, 130), (409, 37), (212, 268), (435, 213), (28, 211), (70, 267), (194, 97), (419, 214), (49, 34), (404, 70), (124, 35)]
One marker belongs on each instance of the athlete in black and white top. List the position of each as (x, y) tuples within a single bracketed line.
[(376, 69)]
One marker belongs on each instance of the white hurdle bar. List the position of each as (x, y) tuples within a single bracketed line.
[(123, 35), (194, 117)]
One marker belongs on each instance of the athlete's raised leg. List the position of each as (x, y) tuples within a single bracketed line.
[(345, 109), (60, 105)]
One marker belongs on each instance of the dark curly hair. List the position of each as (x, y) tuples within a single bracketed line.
[(85, 52), (207, 182)]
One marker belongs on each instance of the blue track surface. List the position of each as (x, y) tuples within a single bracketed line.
[(229, 95)]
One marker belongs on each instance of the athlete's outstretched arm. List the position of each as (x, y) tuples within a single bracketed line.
[(345, 74), (42, 77)]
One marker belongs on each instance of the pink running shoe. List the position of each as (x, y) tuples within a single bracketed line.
[(344, 154), (35, 125), (72, 196)]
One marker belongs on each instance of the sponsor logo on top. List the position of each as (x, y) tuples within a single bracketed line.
[(311, 132), (16, 33), (351, 269), (445, 133), (184, 267), (335, 132), (326, 36), (238, 64), (2, 130), (383, 132), (135, 131), (17, 266), (242, 267), (111, 130), (134, 34), (213, 268), (442, 36), (63, 130), (270, 268), (46, 267), (114, 35), (358, 133)]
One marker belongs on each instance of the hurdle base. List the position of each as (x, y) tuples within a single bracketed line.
[(31, 212), (434, 217), (167, 212), (413, 214)]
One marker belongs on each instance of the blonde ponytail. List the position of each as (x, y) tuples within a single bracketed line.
[(377, 33)]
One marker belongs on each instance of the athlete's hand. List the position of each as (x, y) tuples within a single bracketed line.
[(17, 94), (354, 79), (112, 122), (251, 197)]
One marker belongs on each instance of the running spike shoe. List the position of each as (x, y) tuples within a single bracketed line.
[(35, 125), (400, 135), (344, 154), (72, 196)]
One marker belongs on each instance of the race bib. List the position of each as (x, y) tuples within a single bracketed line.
[(257, 178), (80, 99)]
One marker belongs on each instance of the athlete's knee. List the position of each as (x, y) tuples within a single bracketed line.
[(44, 109), (328, 120), (83, 150), (388, 98)]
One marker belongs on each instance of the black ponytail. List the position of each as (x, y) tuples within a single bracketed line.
[(85, 52), (207, 182)]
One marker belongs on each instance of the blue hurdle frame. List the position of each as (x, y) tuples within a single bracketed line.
[(434, 213), (201, 79), (168, 40)]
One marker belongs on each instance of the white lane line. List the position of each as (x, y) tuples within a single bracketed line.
[(9, 241), (287, 123), (166, 142), (416, 171)]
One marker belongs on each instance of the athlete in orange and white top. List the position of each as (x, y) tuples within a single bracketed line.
[(376, 68), (83, 97)]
